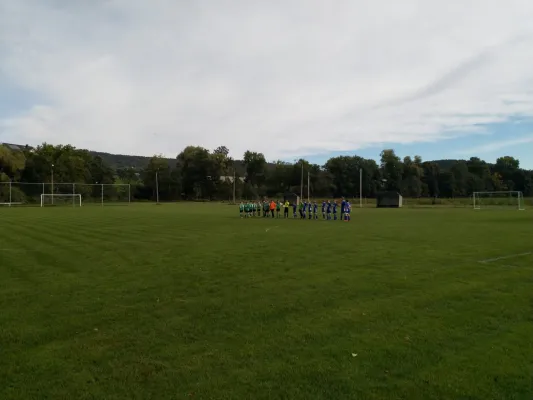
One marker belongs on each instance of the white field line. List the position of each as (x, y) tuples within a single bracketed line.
[(267, 229), (489, 260)]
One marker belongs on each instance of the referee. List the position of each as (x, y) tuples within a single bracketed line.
[(286, 206)]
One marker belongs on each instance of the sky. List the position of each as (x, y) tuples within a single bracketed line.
[(290, 79)]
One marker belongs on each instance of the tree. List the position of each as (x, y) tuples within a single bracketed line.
[(200, 172), (391, 169), (159, 175), (11, 163), (255, 164), (479, 178), (279, 178), (343, 170), (507, 163), (430, 178), (460, 175), (412, 176), (222, 150)]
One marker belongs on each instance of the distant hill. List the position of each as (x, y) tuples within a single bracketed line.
[(124, 161), (117, 161), (445, 164)]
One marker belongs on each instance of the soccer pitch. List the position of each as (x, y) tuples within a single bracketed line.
[(188, 301)]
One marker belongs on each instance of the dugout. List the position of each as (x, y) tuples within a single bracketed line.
[(292, 198), (389, 200)]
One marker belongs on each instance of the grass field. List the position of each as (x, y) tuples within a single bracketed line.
[(188, 301)]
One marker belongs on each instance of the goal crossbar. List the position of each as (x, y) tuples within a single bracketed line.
[(76, 198), (515, 199)]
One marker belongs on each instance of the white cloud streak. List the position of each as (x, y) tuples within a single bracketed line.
[(496, 146), (288, 78)]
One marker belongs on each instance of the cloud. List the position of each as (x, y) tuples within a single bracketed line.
[(288, 78), (497, 146)]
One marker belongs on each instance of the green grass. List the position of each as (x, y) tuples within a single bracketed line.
[(187, 301)]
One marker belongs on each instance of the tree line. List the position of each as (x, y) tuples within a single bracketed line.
[(200, 173)]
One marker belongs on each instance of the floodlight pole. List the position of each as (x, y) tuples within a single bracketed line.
[(10, 195), (302, 183), (52, 183), (234, 185), (308, 188)]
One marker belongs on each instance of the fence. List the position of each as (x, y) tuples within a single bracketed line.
[(439, 202), (23, 193)]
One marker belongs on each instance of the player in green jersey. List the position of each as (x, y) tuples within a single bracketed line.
[(241, 209), (278, 209)]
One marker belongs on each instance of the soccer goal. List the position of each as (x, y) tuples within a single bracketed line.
[(505, 200), (57, 199)]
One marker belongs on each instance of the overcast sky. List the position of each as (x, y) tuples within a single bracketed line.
[(287, 78)]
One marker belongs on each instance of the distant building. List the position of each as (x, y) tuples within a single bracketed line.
[(230, 179)]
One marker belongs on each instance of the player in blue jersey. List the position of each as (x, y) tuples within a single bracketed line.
[(294, 208), (328, 210), (324, 209), (347, 210), (315, 209), (335, 210), (304, 210), (343, 206), (310, 207)]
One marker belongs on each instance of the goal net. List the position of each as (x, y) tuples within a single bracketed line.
[(502, 200), (49, 199), (103, 194)]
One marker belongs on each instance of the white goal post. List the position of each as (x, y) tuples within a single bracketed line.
[(48, 199), (502, 199)]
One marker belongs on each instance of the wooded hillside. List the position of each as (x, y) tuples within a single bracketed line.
[(196, 172)]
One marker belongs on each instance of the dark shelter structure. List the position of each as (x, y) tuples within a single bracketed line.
[(389, 199)]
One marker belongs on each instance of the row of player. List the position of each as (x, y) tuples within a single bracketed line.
[(306, 210)]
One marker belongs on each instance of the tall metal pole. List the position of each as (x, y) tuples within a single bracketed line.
[(302, 183), (234, 186), (10, 195), (308, 188), (52, 182), (157, 185)]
